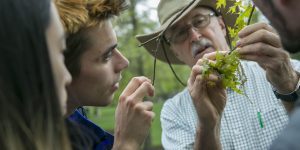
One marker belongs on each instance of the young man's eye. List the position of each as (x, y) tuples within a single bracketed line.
[(107, 56)]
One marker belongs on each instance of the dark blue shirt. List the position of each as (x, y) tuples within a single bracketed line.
[(101, 140)]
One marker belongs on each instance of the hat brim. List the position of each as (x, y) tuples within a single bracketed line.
[(151, 44)]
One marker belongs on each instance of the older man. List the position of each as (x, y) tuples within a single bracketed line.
[(197, 117), (284, 15)]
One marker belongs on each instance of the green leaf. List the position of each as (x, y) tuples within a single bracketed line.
[(232, 10), (227, 66), (221, 4)]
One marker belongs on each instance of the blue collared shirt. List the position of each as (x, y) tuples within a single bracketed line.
[(101, 139)]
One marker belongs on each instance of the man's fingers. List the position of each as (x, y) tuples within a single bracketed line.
[(254, 57), (196, 70), (146, 89), (151, 114), (255, 27), (214, 78), (199, 84), (258, 49), (202, 61), (146, 105), (134, 83), (265, 62), (212, 55), (263, 36)]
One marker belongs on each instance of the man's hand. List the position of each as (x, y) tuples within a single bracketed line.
[(260, 43), (133, 115), (209, 100)]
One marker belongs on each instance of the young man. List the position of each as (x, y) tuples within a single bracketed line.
[(197, 117), (96, 65), (284, 16)]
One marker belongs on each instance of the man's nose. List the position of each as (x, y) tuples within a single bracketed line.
[(194, 34)]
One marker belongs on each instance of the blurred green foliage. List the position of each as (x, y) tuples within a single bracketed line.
[(296, 56)]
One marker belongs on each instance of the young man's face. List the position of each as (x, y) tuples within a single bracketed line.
[(101, 65), (284, 16), (190, 40)]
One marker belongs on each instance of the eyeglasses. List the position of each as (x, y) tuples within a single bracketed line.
[(198, 23)]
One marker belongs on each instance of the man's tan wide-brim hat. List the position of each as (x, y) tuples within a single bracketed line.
[(167, 11)]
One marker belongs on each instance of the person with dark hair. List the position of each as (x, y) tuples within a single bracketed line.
[(211, 117), (284, 15), (32, 77), (96, 65)]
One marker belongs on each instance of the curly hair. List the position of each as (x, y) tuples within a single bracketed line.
[(73, 14), (78, 14)]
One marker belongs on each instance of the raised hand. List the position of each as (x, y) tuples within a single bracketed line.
[(133, 115), (209, 98), (208, 94), (260, 43)]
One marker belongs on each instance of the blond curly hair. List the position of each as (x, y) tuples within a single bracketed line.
[(77, 14)]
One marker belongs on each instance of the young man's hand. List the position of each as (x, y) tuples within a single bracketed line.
[(133, 115)]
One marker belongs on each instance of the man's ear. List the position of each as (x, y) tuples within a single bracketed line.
[(222, 25)]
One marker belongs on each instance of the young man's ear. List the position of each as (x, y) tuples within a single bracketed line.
[(222, 24)]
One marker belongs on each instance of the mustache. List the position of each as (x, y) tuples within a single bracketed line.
[(200, 45)]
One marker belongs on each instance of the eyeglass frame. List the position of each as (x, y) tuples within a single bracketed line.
[(185, 30)]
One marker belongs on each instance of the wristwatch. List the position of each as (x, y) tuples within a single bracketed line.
[(290, 97)]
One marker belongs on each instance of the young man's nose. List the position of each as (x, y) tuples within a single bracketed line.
[(121, 61)]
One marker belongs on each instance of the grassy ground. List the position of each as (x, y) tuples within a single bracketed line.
[(105, 119)]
